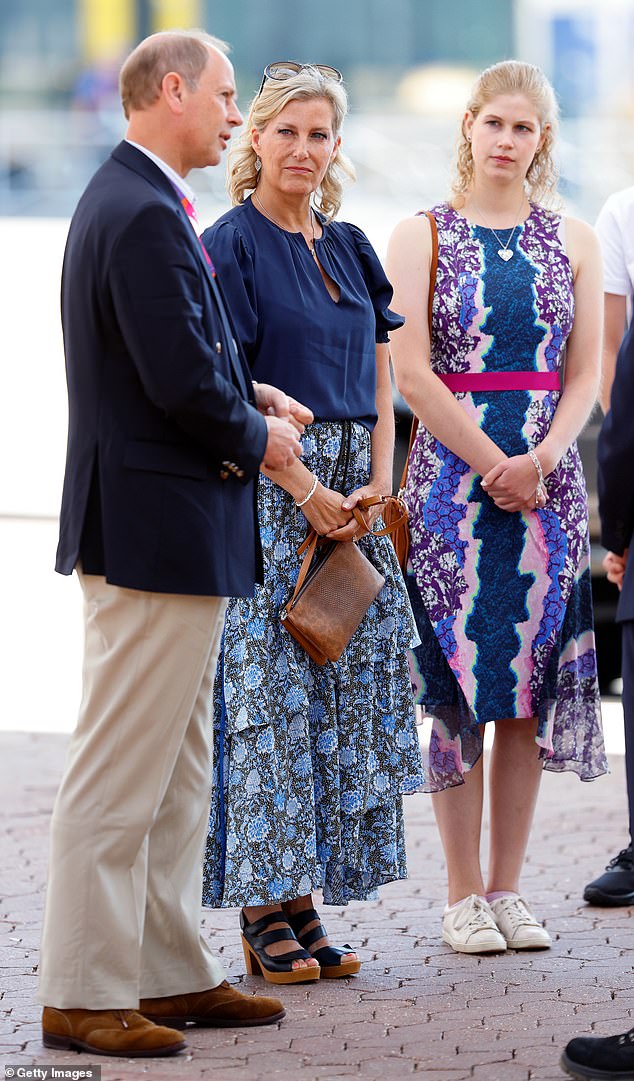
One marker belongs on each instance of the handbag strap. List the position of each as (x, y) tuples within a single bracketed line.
[(433, 268), (384, 501), (308, 546), (307, 549)]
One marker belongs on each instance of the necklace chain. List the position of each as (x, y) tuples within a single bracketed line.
[(504, 251), (311, 212)]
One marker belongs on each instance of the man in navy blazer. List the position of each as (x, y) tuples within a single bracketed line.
[(613, 1056), (166, 436)]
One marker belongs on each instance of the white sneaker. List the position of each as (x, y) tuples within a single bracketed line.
[(518, 925), (470, 927)]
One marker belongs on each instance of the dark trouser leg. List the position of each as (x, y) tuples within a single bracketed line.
[(627, 654)]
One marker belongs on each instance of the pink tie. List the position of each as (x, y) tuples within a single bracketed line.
[(191, 214)]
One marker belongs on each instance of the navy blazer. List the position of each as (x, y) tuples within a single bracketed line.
[(163, 443), (616, 472)]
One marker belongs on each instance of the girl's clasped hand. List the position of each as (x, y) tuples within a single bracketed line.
[(511, 485)]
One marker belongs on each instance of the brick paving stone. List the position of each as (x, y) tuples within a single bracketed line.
[(417, 1007), (508, 1071), (352, 1055), (328, 1073), (539, 1055), (444, 1075)]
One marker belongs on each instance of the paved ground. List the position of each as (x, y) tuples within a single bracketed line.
[(417, 1008)]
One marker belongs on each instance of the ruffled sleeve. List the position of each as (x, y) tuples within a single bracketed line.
[(234, 265), (378, 286)]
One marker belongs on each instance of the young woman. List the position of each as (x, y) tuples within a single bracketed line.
[(499, 564)]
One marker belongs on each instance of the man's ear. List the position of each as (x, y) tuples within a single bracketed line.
[(172, 87)]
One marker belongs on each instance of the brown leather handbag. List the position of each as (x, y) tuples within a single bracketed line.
[(333, 594), (396, 513)]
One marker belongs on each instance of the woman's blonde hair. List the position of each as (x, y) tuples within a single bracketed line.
[(276, 94), (515, 77)]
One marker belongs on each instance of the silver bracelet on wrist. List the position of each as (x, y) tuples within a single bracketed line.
[(310, 494), (538, 466)]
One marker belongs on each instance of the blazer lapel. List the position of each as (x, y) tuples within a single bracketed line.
[(138, 161), (238, 363)]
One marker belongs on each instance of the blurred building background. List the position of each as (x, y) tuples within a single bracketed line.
[(408, 64)]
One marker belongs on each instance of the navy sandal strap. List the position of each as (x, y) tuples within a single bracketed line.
[(309, 938), (281, 934), (259, 938), (326, 955), (332, 955), (258, 927), (299, 920)]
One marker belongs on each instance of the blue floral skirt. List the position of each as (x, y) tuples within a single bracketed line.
[(310, 762)]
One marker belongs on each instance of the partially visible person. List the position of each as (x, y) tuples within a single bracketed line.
[(311, 762), (615, 228), (613, 1056), (600, 1058), (158, 518), (499, 561)]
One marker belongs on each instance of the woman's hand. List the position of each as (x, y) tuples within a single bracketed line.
[(513, 484), (354, 531), (324, 510)]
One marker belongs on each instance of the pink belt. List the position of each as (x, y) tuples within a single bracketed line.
[(474, 381)]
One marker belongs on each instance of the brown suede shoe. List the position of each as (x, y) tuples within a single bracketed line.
[(108, 1032), (220, 1007)]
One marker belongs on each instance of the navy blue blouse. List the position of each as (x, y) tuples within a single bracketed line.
[(295, 336)]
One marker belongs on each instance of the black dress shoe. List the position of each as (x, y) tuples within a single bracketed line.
[(616, 885), (596, 1058)]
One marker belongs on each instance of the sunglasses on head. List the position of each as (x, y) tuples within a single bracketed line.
[(280, 70)]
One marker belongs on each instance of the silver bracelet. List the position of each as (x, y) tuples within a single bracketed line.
[(538, 466), (310, 493)]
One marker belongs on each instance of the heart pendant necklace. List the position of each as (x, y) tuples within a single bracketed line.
[(505, 251)]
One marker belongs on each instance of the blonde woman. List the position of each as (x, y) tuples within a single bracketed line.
[(499, 570), (311, 762)]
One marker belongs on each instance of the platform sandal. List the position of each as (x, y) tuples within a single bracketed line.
[(255, 939), (330, 958)]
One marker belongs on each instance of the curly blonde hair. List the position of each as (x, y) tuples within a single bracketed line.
[(514, 77), (307, 84)]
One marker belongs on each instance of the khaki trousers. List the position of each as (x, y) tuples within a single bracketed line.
[(122, 918)]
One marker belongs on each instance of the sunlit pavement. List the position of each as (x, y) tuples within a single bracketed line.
[(416, 1008)]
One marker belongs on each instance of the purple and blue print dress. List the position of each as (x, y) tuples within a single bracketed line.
[(502, 600)]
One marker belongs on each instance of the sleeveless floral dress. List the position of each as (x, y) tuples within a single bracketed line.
[(502, 600)]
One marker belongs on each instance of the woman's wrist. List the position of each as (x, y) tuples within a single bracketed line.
[(382, 485), (545, 457), (538, 467), (308, 495)]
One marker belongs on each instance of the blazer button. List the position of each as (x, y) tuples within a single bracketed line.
[(219, 347)]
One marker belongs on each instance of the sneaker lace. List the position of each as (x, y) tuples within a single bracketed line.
[(625, 858), (478, 915), (517, 911)]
